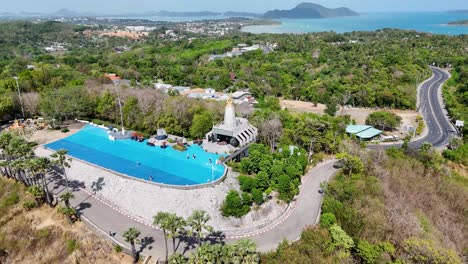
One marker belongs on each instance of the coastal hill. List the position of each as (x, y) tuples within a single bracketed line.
[(310, 10)]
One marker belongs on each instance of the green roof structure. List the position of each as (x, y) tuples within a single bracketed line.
[(362, 131)]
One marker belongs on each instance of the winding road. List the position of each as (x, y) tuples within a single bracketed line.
[(105, 217), (431, 107)]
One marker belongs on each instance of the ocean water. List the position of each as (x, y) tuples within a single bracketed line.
[(432, 22), (167, 166)]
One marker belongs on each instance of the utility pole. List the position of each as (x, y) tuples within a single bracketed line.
[(19, 95), (120, 106)]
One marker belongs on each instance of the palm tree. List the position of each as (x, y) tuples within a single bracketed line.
[(65, 197), (43, 165), (198, 223), (62, 160), (245, 251), (177, 259), (37, 192), (131, 236), (171, 224), (69, 212)]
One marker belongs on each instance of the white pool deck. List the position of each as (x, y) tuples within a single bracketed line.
[(144, 200)]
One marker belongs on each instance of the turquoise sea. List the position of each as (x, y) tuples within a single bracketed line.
[(432, 22)]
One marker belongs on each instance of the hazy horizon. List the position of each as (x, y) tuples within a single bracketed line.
[(258, 6)]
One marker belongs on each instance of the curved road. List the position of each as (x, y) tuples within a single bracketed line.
[(106, 217), (431, 107)]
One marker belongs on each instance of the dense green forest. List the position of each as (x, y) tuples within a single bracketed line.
[(399, 206), (368, 69)]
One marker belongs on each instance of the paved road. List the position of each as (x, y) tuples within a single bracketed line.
[(106, 217), (305, 211), (432, 110)]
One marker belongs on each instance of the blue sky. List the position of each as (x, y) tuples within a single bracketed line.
[(125, 6)]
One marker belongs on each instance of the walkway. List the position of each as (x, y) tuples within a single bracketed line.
[(107, 217)]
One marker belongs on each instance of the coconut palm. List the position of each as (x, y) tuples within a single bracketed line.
[(65, 197), (177, 259), (69, 212), (42, 165), (37, 192), (131, 236), (171, 224), (198, 223), (245, 251), (61, 160)]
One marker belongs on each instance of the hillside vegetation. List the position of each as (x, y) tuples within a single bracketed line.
[(44, 236), (397, 208)]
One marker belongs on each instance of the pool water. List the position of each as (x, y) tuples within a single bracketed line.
[(132, 158)]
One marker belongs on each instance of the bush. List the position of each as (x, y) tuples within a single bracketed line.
[(246, 199), (263, 180), (65, 130), (247, 183), (284, 188), (118, 248), (233, 205), (28, 205), (327, 220), (71, 245), (257, 196), (179, 148), (340, 238), (425, 251), (368, 252)]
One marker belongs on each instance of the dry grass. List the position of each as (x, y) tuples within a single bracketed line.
[(422, 202), (43, 236)]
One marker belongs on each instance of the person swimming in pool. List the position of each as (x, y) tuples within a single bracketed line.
[(138, 163), (194, 156), (210, 160)]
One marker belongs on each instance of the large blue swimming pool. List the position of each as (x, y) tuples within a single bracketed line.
[(167, 166)]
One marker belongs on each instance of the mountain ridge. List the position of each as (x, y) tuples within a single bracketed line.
[(310, 10)]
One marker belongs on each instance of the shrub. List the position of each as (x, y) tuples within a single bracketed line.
[(28, 205), (327, 220), (65, 130), (179, 148), (246, 199), (118, 248), (425, 251), (340, 238), (263, 180), (284, 188), (71, 245), (233, 205), (247, 183), (257, 196), (368, 252), (170, 140)]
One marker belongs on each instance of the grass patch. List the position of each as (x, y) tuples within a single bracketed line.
[(71, 245)]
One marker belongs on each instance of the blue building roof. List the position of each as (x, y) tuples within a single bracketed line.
[(369, 133), (362, 131), (354, 129)]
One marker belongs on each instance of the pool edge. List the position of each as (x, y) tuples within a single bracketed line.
[(162, 185)]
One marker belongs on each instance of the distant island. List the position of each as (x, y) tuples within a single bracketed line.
[(458, 23), (461, 11), (310, 10)]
